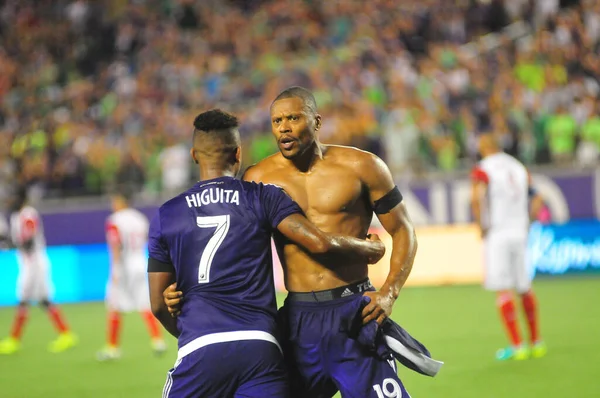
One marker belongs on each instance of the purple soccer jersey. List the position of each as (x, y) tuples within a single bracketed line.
[(217, 236)]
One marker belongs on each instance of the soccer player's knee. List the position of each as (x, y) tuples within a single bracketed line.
[(45, 304), (23, 304), (503, 296), (525, 292)]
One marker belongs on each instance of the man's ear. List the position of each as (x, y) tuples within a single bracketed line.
[(234, 155), (317, 122), (238, 155), (193, 155)]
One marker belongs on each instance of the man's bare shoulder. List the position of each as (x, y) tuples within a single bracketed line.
[(257, 171), (353, 157)]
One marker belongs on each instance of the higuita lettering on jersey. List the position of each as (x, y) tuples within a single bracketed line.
[(213, 195)]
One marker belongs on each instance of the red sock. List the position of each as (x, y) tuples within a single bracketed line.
[(152, 325), (114, 327), (507, 311), (57, 319), (530, 307), (19, 323)]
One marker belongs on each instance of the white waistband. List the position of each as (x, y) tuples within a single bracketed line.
[(225, 337)]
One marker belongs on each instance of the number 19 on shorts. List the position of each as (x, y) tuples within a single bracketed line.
[(388, 389)]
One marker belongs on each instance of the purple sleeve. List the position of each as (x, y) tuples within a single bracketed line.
[(277, 205), (157, 249)]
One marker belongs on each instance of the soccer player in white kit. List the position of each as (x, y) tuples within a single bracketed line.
[(501, 197), (27, 235), (127, 288)]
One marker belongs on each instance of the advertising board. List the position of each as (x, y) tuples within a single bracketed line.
[(446, 255), (571, 195)]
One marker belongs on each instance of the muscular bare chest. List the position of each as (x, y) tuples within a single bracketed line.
[(327, 192)]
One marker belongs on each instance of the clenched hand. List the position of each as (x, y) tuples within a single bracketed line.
[(379, 308), (173, 299)]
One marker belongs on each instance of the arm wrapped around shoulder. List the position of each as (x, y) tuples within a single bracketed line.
[(386, 203)]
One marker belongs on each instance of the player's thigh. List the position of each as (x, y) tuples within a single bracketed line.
[(41, 285), (33, 283), (141, 299), (264, 374), (303, 353), (307, 374), (498, 267), (118, 298), (139, 293), (369, 377), (25, 283), (520, 270)]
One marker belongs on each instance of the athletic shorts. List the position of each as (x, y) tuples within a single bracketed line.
[(34, 280), (129, 294), (321, 350), (505, 262), (229, 369)]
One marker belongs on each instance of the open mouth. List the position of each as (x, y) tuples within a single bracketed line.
[(287, 143)]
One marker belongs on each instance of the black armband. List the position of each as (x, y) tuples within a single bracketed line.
[(386, 203), (158, 266)]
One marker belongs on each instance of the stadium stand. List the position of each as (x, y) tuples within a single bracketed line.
[(98, 94)]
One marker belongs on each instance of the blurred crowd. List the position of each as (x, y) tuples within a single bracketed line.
[(101, 94)]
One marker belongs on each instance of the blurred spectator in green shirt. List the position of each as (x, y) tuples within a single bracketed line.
[(589, 147), (561, 130)]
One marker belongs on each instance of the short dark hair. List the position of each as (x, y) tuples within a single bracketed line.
[(216, 131), (215, 119), (299, 92)]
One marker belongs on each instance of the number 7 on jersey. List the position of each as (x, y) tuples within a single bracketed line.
[(221, 223)]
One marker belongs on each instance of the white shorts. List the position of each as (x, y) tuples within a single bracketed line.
[(505, 264), (33, 283), (129, 294)]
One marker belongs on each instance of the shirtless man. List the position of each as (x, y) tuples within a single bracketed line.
[(338, 188)]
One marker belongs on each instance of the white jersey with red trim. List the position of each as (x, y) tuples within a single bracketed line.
[(506, 206), (26, 224), (128, 230)]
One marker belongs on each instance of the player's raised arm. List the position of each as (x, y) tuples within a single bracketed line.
[(161, 274), (301, 231), (386, 201)]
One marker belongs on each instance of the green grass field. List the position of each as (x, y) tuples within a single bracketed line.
[(458, 324)]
